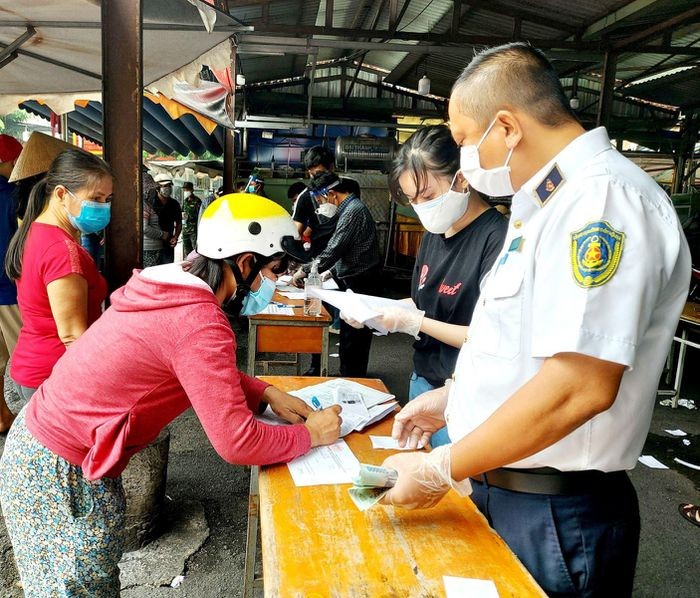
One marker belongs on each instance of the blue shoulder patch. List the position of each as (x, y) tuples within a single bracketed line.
[(549, 185), (596, 250)]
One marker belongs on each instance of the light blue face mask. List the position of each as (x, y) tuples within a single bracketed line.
[(93, 217), (256, 301)]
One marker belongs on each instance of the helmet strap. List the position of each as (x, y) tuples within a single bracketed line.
[(235, 305)]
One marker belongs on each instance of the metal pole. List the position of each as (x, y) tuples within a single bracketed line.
[(311, 89), (230, 134), (605, 104), (122, 78)]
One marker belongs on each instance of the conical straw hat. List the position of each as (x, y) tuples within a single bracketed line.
[(37, 155)]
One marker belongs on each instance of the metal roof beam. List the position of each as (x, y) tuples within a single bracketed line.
[(98, 25), (683, 18), (64, 65), (611, 19), (519, 13), (11, 48)]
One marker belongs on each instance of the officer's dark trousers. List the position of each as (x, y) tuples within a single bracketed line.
[(355, 344), (583, 545)]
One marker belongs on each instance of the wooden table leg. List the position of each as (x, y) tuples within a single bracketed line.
[(324, 352), (252, 346), (250, 582)]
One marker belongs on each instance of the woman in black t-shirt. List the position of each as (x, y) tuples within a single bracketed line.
[(464, 236)]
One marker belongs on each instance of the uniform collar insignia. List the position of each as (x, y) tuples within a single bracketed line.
[(549, 185)]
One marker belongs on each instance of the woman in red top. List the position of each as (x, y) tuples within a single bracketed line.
[(59, 289)]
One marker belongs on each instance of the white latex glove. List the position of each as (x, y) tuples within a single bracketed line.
[(424, 478), (299, 275), (397, 319), (354, 323), (326, 275), (416, 422)]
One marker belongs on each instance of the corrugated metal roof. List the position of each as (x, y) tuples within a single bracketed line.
[(551, 20)]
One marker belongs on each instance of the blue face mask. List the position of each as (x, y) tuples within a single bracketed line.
[(256, 301), (93, 217)]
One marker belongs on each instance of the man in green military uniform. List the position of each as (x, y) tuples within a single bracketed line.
[(190, 214)]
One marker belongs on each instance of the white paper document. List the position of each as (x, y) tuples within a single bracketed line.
[(298, 294), (389, 443), (360, 307), (652, 462), (676, 432), (333, 464), (361, 405), (463, 587), (274, 309)]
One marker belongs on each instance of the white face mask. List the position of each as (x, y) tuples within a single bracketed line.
[(439, 214), (327, 209), (489, 181), (186, 194)]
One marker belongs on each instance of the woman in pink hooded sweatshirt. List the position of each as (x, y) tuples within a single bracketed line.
[(164, 345)]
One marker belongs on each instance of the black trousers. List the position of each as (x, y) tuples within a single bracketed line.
[(355, 344)]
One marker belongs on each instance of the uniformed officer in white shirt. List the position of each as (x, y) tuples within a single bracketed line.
[(554, 388)]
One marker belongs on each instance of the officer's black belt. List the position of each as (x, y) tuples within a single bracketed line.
[(547, 480)]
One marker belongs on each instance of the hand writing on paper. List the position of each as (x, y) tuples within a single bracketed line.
[(324, 425), (286, 406)]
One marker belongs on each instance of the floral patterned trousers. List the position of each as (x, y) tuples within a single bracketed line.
[(66, 531)]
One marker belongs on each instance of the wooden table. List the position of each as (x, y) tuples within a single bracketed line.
[(317, 544), (288, 334), (689, 322)]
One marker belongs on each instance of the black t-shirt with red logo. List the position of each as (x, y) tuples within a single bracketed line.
[(445, 285)]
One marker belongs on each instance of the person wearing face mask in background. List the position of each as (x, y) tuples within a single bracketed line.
[(463, 237), (319, 227), (352, 256), (190, 217), (169, 217), (59, 289), (554, 389), (164, 345)]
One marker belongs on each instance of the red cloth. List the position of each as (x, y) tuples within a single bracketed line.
[(49, 253), (160, 348), (10, 148)]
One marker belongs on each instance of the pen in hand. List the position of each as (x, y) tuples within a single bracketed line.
[(315, 403)]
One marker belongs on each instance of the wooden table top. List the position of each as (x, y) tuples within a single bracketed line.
[(316, 543), (691, 312), (298, 306)]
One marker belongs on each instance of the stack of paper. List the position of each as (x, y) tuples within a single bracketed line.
[(332, 464), (361, 404)]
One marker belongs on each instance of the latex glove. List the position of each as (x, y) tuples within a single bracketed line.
[(397, 319), (299, 275), (424, 478), (326, 275), (354, 323), (416, 422)]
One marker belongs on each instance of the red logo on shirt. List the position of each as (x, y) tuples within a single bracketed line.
[(446, 289), (423, 276)]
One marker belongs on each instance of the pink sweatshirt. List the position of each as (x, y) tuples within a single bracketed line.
[(160, 348)]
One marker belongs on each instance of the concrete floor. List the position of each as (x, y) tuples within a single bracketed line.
[(207, 499)]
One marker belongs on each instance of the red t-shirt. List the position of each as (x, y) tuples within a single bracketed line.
[(49, 253)]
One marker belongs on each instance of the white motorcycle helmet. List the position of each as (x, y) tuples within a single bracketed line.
[(241, 222)]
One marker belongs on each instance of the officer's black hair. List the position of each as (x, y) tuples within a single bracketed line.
[(429, 150), (295, 189), (319, 156), (514, 75)]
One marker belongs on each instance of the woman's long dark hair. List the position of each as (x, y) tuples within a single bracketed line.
[(72, 168), (429, 149)]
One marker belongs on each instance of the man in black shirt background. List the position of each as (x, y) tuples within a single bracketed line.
[(317, 161)]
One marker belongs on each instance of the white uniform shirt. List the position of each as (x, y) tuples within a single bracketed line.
[(532, 306)]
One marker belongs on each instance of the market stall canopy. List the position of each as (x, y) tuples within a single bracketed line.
[(212, 168), (50, 50)]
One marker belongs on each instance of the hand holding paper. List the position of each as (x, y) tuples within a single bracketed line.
[(398, 319)]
